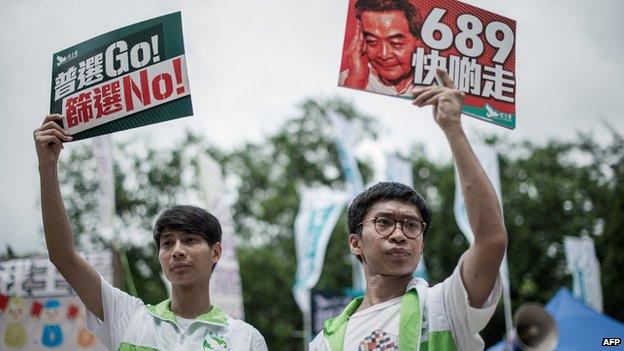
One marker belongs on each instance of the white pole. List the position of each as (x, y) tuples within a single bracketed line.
[(506, 297), (307, 330)]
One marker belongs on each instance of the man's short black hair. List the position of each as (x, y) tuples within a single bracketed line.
[(190, 219), (385, 191), (405, 6)]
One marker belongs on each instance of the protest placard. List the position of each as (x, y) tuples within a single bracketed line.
[(127, 78), (392, 46)]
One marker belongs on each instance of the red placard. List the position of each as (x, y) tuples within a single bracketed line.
[(392, 46)]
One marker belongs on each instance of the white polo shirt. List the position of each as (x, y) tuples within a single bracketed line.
[(131, 325)]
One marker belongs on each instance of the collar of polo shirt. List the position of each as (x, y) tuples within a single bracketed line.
[(163, 311)]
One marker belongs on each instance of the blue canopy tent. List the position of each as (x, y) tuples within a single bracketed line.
[(580, 327)]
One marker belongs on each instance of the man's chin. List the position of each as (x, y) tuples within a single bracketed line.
[(393, 78), (400, 268)]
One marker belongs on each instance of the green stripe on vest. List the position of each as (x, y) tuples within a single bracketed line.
[(124, 346), (410, 323)]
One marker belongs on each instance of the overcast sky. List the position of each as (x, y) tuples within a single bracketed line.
[(251, 62)]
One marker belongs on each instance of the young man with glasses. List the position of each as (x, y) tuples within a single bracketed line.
[(388, 223)]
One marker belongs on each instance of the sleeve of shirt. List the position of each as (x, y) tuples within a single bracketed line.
[(119, 308), (465, 320), (318, 343), (257, 341)]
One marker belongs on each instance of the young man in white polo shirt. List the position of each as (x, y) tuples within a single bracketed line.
[(388, 223), (188, 240)]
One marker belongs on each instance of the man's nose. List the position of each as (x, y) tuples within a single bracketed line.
[(398, 235), (178, 249), (386, 51)]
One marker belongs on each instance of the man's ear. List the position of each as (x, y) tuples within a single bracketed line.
[(216, 252), (355, 244)]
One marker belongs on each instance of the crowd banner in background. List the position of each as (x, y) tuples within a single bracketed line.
[(488, 158), (476, 47), (226, 290), (102, 148), (40, 311), (400, 170), (583, 264), (126, 78), (345, 143), (319, 210)]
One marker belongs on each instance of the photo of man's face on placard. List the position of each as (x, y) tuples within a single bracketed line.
[(379, 54), (393, 46)]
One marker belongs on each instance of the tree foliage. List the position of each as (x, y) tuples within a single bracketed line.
[(565, 187)]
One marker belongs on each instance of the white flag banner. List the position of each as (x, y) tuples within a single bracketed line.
[(319, 210), (225, 286), (343, 135), (345, 142), (488, 158), (399, 170), (102, 148), (583, 264)]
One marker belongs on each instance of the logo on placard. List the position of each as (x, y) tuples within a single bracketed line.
[(491, 112), (62, 59)]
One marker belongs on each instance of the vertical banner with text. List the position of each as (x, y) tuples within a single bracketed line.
[(127, 78), (583, 264), (319, 210), (392, 46), (102, 148), (226, 289), (345, 143)]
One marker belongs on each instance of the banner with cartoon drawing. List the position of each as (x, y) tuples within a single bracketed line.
[(38, 309)]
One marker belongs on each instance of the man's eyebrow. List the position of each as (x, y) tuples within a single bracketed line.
[(187, 234), (397, 36), (390, 213), (369, 34), (383, 213)]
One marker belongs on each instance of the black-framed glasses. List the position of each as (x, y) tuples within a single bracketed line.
[(385, 226)]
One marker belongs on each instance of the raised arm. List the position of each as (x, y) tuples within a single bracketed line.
[(482, 261), (59, 237)]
